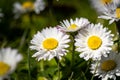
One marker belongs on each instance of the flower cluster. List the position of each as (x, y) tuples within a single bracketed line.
[(108, 67), (93, 42), (52, 42)]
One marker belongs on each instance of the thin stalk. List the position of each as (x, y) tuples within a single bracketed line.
[(23, 39), (73, 48), (95, 70), (42, 65), (71, 76), (89, 62), (58, 70), (73, 54), (58, 65), (50, 6), (29, 69), (118, 28)]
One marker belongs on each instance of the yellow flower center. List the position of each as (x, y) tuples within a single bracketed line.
[(118, 12), (28, 5), (106, 1), (108, 65), (50, 43), (94, 42), (72, 27), (4, 68)]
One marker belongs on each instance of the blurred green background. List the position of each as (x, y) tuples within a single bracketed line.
[(17, 33)]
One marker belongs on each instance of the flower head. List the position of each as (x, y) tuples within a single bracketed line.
[(39, 6), (1, 14), (93, 42), (74, 25), (49, 43), (107, 67), (107, 9), (28, 6), (9, 59), (100, 5), (111, 13)]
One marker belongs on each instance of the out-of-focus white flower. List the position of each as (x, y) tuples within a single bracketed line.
[(9, 59), (74, 25), (100, 5), (107, 67), (93, 42), (107, 9), (111, 13), (39, 6), (28, 6), (49, 43), (1, 14)]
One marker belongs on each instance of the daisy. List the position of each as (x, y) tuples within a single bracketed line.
[(49, 43), (107, 67), (8, 61), (93, 41), (111, 13), (28, 6), (74, 25), (1, 14), (107, 9), (100, 5)]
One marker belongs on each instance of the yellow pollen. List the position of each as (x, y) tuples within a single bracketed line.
[(72, 27), (94, 42), (50, 43), (108, 65), (28, 5), (106, 1), (118, 12), (4, 68)]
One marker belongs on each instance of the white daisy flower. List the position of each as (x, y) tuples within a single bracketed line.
[(108, 9), (93, 42), (74, 25), (9, 59), (39, 6), (28, 6), (1, 14), (107, 67), (49, 43), (100, 5), (112, 13)]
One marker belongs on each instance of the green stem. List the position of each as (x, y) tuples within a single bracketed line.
[(50, 6), (58, 64), (71, 76), (95, 70), (118, 29), (29, 70), (73, 54), (58, 70), (73, 49), (88, 64), (42, 65), (23, 39)]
